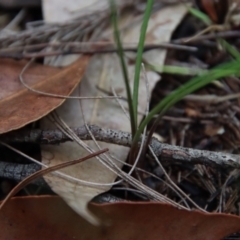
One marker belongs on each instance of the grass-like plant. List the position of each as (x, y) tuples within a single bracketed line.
[(230, 49), (223, 70), (138, 66), (132, 98), (123, 66), (204, 77)]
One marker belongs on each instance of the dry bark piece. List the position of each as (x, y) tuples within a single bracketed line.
[(20, 106), (50, 218)]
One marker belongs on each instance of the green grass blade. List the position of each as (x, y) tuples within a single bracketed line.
[(123, 66), (139, 56), (230, 49), (200, 15), (176, 70), (196, 83)]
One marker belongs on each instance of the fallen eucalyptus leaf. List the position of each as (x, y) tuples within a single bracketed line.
[(20, 106), (50, 218)]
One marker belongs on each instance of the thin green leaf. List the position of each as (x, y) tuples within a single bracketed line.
[(176, 70), (139, 56), (200, 15), (123, 66), (230, 49), (194, 84)]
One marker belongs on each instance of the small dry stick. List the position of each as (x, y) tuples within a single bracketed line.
[(81, 47), (163, 151), (42, 172)]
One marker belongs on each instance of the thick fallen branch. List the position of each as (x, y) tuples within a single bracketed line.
[(164, 152)]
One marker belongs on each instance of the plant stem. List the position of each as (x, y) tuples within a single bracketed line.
[(139, 57), (124, 68)]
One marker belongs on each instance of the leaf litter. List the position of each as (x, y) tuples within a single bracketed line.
[(172, 134), (104, 72), (18, 105)]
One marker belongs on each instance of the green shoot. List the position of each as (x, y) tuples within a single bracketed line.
[(176, 70), (200, 15), (224, 70), (139, 56), (123, 66), (230, 49)]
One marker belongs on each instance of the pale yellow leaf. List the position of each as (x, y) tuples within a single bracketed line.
[(104, 71)]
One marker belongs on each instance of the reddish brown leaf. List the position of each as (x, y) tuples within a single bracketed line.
[(216, 9), (190, 112), (20, 106), (213, 130), (48, 217)]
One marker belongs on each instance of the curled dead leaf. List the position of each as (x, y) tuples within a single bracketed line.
[(20, 106)]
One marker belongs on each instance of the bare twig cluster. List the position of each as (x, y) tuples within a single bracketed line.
[(41, 39)]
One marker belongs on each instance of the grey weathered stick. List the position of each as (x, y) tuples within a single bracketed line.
[(17, 171), (163, 151)]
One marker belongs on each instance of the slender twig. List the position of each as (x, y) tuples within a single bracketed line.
[(175, 187), (44, 171), (57, 173), (153, 195), (21, 78), (81, 47), (224, 34), (163, 151)]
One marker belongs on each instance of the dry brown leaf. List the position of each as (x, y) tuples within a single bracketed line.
[(18, 105), (48, 217), (211, 130), (190, 112)]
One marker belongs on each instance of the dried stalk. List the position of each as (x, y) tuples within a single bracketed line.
[(80, 47), (68, 37)]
